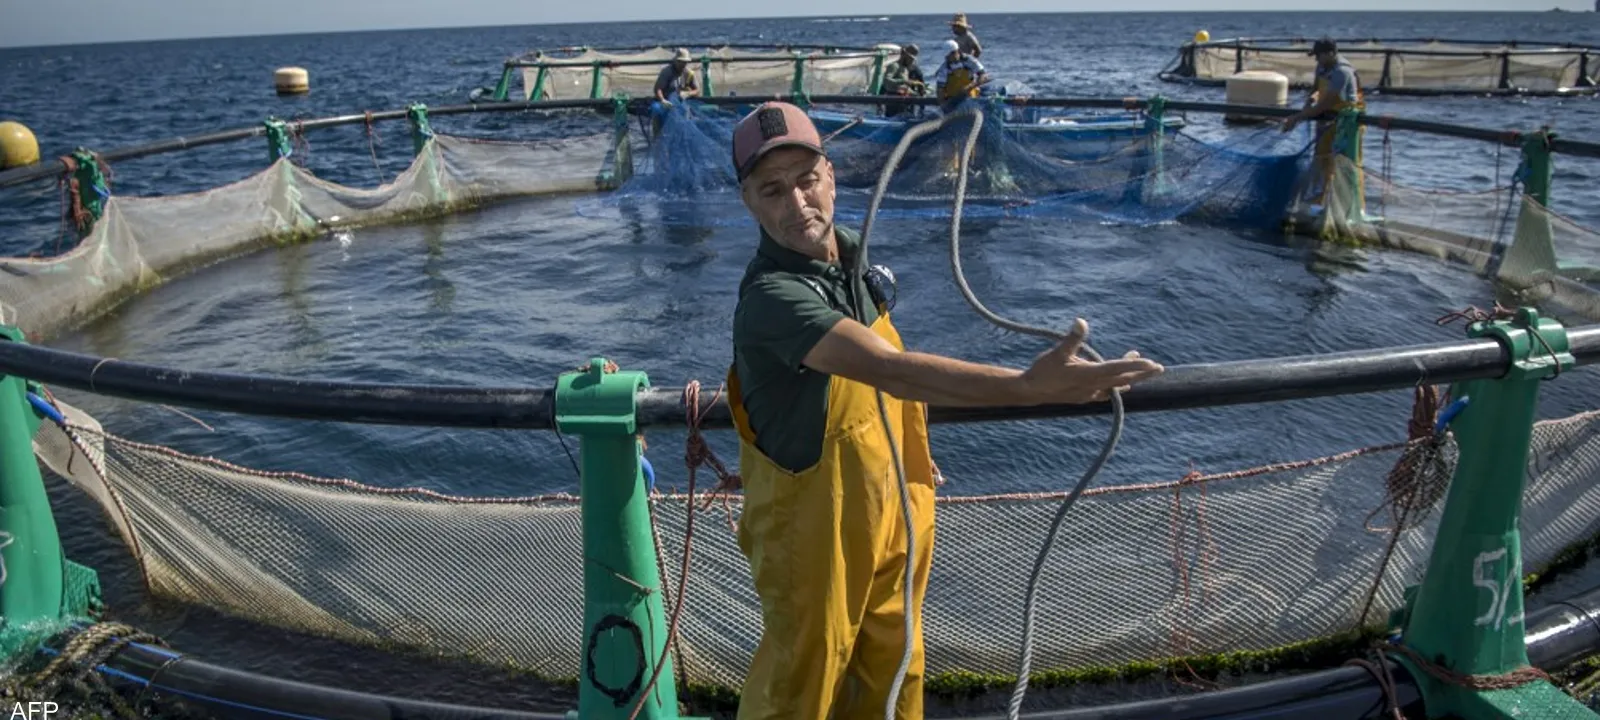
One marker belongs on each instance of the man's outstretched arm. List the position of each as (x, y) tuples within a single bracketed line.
[(851, 350)]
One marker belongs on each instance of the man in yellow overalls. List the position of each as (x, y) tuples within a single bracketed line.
[(814, 354), (1337, 88)]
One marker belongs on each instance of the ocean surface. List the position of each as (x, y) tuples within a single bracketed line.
[(518, 292)]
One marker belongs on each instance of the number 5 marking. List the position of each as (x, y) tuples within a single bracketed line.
[(1498, 593)]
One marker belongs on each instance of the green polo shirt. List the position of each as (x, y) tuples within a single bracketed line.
[(787, 302)]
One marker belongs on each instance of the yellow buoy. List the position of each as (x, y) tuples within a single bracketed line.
[(1202, 36), (292, 80), (18, 146)]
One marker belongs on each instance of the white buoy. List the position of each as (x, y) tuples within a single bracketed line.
[(1256, 87), (291, 80)]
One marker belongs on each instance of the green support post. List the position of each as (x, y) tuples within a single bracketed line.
[(1155, 122), (421, 132), (92, 190), (624, 624), (707, 89), (876, 86), (539, 82), (594, 81), (1467, 614), (621, 167), (278, 145), (797, 84), (502, 89), (1540, 169), (34, 589), (1347, 142)]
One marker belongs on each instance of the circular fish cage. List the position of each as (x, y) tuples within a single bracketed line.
[(1218, 593), (1407, 66)]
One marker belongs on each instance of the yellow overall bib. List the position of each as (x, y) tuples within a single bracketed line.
[(955, 83), (1326, 131), (826, 548)]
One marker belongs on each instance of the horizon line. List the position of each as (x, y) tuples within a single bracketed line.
[(749, 17)]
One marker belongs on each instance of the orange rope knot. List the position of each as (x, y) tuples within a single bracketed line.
[(608, 368), (1504, 681), (696, 451), (1472, 314)]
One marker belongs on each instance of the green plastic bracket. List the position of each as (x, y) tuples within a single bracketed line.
[(502, 89), (421, 131), (92, 190), (706, 88), (1536, 158), (623, 619), (33, 593), (278, 145), (1467, 614)]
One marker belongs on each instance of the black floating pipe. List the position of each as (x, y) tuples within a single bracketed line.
[(1557, 636), (1181, 387)]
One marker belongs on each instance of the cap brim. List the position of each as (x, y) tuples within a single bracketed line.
[(764, 150)]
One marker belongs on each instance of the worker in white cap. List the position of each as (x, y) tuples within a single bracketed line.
[(958, 77)]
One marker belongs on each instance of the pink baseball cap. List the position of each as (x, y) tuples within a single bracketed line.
[(771, 126)]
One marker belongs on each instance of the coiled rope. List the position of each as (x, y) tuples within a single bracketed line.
[(1024, 666)]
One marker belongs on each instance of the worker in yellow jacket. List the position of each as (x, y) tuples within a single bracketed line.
[(826, 399)]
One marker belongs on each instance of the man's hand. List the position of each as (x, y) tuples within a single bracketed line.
[(1060, 376), (1290, 122)]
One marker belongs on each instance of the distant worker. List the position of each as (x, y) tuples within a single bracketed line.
[(676, 81), (958, 78), (963, 30), (1337, 88), (675, 84), (902, 77)]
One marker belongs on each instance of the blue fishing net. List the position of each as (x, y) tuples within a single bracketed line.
[(1120, 168)]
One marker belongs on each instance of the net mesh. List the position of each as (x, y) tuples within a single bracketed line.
[(141, 241), (1410, 65), (1140, 572), (1110, 168), (732, 71)]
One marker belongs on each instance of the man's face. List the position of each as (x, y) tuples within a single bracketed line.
[(957, 29), (791, 194), (680, 65), (1325, 59)]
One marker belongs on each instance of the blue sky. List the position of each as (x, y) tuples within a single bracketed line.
[(54, 22)]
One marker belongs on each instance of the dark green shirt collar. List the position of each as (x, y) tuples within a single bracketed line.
[(792, 261)]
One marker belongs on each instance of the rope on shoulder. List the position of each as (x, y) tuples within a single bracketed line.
[(1024, 667)]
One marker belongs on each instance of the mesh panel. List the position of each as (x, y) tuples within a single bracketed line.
[(1140, 572), (1114, 170), (141, 241), (1475, 68), (733, 71)]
